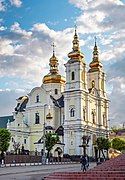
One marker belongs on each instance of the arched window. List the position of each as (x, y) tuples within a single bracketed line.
[(37, 98), (56, 91), (93, 117), (72, 112), (73, 75), (37, 118)]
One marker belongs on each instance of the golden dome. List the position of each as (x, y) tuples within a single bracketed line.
[(76, 54), (95, 65), (53, 76)]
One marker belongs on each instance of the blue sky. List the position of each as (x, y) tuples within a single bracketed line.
[(28, 28), (56, 14)]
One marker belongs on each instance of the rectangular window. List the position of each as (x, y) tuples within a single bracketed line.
[(56, 91), (73, 76), (37, 118), (37, 98), (24, 141)]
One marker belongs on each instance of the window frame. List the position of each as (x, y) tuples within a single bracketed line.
[(93, 117), (37, 118), (84, 114), (56, 91), (37, 98), (72, 112), (72, 75), (25, 140)]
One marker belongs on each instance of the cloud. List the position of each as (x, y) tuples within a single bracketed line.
[(98, 16), (17, 29), (6, 47), (8, 99), (117, 112), (2, 28), (16, 3), (25, 53), (2, 5)]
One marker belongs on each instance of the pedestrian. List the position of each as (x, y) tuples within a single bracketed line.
[(87, 161), (84, 163)]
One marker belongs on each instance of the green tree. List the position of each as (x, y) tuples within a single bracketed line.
[(5, 137), (50, 140), (103, 144), (118, 144)]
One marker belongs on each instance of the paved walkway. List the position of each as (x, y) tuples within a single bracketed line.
[(36, 172)]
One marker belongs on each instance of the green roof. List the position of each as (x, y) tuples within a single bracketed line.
[(4, 121)]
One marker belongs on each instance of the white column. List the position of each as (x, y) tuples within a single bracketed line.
[(66, 139), (78, 143)]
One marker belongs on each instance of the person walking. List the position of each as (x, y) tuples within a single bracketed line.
[(87, 159), (84, 163)]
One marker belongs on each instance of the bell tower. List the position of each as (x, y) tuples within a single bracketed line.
[(76, 68), (75, 98), (96, 82), (96, 75)]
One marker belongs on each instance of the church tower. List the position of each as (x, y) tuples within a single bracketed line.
[(76, 68), (53, 78), (96, 85), (54, 83), (96, 75), (75, 99)]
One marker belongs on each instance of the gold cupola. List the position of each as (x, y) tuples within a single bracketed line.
[(53, 76), (95, 65), (76, 54)]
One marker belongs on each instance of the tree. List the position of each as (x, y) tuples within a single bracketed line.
[(114, 129), (50, 140), (118, 144), (103, 144), (5, 137), (16, 146)]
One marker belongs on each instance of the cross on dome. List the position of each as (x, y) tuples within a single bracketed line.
[(53, 46), (95, 40)]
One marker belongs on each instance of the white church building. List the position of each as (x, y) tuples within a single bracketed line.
[(72, 107)]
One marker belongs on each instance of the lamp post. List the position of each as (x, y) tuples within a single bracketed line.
[(85, 142), (107, 135), (44, 155)]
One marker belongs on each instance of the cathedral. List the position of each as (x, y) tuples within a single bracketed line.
[(73, 106)]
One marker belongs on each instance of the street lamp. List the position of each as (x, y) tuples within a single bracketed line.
[(107, 128), (44, 155), (85, 142)]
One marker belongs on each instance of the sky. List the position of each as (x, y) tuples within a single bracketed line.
[(29, 27)]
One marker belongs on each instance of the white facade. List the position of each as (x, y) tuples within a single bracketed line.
[(79, 104)]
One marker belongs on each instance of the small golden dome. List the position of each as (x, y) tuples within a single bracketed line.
[(53, 76), (49, 116), (95, 65), (76, 54)]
